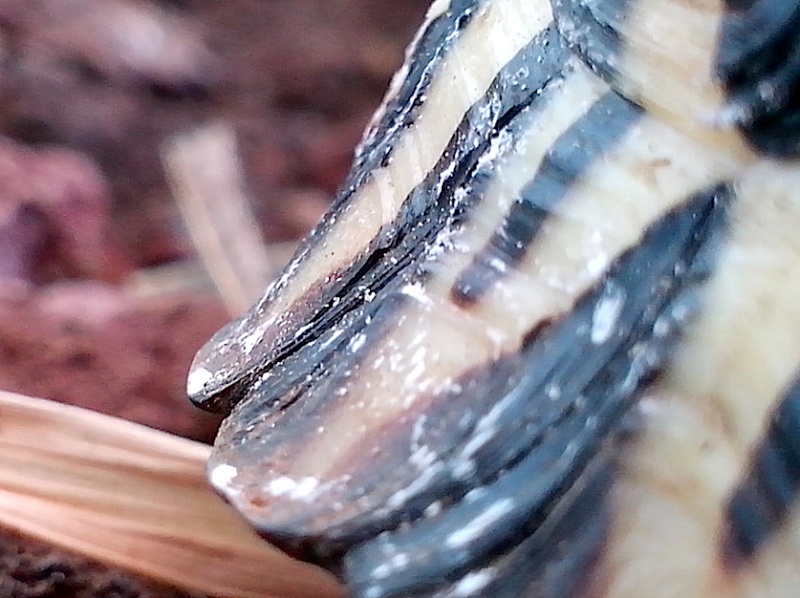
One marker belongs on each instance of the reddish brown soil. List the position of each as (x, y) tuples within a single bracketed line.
[(89, 92), (85, 106), (31, 569)]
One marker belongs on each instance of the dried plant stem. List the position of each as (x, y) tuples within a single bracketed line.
[(203, 169), (137, 499)]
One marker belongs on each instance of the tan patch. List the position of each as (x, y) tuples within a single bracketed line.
[(667, 66), (434, 341), (745, 348), (702, 424), (666, 505), (463, 77), (605, 213)]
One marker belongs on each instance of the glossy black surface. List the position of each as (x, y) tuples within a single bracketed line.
[(770, 488), (758, 62)]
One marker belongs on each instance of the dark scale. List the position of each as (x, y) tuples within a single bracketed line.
[(565, 162), (762, 500), (545, 464), (592, 27), (758, 61)]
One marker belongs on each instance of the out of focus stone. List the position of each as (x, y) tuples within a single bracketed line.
[(297, 80), (55, 217), (89, 344)]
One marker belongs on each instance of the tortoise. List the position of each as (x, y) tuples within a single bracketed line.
[(546, 342)]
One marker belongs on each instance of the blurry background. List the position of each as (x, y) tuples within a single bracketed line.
[(103, 297)]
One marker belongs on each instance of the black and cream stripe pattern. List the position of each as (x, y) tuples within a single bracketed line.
[(546, 342)]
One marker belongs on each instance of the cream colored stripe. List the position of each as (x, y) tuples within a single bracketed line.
[(651, 170), (667, 65), (745, 348), (463, 77), (703, 422), (435, 10), (568, 100), (433, 343)]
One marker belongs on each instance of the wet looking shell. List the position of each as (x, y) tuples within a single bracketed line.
[(547, 340)]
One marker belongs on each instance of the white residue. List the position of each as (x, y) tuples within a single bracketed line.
[(417, 430), (328, 341), (423, 457), (598, 264), (485, 430), (418, 362), (478, 526), (433, 509), (498, 147), (606, 313), (197, 381), (416, 291), (661, 327), (248, 342), (552, 391), (222, 475), (425, 477), (464, 469), (460, 194), (302, 330), (498, 264), (472, 583), (395, 563), (357, 342), (291, 488)]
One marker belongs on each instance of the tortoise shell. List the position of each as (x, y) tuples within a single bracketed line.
[(546, 342)]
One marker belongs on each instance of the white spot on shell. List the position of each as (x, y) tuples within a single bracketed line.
[(400, 497), (478, 526), (248, 342), (357, 342), (552, 391), (197, 381), (464, 469), (485, 431), (396, 562), (661, 327), (416, 291), (291, 488), (472, 583), (222, 475), (433, 509), (606, 313)]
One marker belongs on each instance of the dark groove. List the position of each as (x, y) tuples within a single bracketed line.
[(306, 377), (434, 44), (763, 498), (585, 142), (431, 204), (559, 558), (758, 63), (591, 27), (520, 84), (541, 444)]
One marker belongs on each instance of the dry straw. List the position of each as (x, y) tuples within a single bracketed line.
[(137, 499)]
